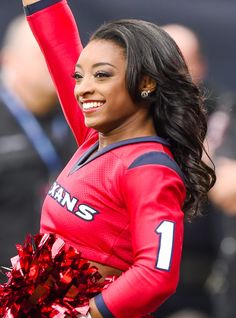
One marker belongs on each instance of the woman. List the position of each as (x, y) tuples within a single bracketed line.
[(140, 126)]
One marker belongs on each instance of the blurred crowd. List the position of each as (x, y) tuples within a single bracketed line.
[(35, 142), (208, 281)]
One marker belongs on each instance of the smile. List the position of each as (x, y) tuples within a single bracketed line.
[(91, 105)]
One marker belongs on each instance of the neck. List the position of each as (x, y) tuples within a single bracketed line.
[(127, 131)]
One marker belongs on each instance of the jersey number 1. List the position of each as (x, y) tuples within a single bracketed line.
[(166, 232)]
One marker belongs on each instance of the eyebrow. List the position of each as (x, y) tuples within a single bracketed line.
[(97, 64)]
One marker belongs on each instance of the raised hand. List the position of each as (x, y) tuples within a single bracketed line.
[(27, 2)]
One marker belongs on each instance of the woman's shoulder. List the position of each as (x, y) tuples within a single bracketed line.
[(131, 149), (146, 151)]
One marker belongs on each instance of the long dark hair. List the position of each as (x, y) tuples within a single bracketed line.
[(176, 105)]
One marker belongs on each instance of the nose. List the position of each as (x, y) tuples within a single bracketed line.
[(84, 87)]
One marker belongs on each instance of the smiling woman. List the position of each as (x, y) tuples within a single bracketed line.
[(101, 91), (140, 128)]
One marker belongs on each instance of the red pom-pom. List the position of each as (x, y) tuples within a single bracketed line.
[(49, 279)]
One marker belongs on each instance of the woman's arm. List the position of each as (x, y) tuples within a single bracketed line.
[(156, 225), (56, 31), (27, 2)]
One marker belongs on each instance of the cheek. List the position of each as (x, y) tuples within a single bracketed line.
[(118, 91), (76, 92)]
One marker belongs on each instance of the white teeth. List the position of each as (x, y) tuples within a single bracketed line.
[(92, 104)]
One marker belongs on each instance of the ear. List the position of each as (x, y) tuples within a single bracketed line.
[(147, 84)]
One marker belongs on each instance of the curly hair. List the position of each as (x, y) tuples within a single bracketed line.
[(176, 106)]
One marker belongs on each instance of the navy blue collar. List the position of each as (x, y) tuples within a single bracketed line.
[(88, 157)]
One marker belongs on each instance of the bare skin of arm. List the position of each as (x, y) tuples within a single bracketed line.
[(93, 310), (27, 2)]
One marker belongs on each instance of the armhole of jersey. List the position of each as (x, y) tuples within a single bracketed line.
[(37, 6), (157, 158), (102, 307)]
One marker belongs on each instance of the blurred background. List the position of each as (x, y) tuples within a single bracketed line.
[(213, 20), (205, 32)]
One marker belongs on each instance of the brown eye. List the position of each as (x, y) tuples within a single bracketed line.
[(77, 76), (102, 74)]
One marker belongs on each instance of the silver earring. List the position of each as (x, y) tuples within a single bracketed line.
[(145, 94)]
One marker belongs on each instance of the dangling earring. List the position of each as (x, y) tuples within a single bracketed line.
[(145, 94)]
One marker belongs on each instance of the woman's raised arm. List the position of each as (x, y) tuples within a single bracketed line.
[(55, 29), (27, 2)]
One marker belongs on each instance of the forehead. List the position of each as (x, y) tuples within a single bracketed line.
[(105, 51)]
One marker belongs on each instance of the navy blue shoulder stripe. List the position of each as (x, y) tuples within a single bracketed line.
[(158, 158), (37, 6), (102, 307)]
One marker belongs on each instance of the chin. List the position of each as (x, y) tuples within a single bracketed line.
[(99, 127), (91, 124)]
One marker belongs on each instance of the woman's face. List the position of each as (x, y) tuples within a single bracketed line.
[(101, 88)]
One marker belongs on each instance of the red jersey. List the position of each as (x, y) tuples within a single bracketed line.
[(121, 206)]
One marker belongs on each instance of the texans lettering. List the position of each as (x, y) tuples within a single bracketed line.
[(64, 198)]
